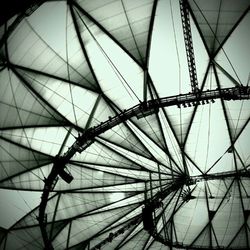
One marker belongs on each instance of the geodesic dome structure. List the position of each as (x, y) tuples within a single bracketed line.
[(125, 125)]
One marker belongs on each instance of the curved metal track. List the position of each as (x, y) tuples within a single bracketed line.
[(141, 110)]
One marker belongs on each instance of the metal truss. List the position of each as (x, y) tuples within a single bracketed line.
[(120, 231), (141, 110), (189, 45), (155, 203)]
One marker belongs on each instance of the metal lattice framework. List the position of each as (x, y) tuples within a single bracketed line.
[(140, 111), (99, 125)]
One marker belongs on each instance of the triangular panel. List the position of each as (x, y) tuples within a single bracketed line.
[(127, 21), (24, 108), (217, 18)]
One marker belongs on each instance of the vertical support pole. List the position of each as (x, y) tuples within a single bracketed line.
[(189, 45)]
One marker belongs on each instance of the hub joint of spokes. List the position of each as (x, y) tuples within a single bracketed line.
[(141, 110)]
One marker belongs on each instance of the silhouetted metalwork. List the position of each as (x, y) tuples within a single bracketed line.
[(120, 231), (189, 45), (141, 110), (155, 202)]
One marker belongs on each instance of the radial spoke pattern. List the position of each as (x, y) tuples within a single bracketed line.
[(71, 66)]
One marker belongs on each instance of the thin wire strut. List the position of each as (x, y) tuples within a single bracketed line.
[(189, 45)]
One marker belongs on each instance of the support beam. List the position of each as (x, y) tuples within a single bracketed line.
[(189, 45), (156, 202), (120, 231), (141, 110)]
